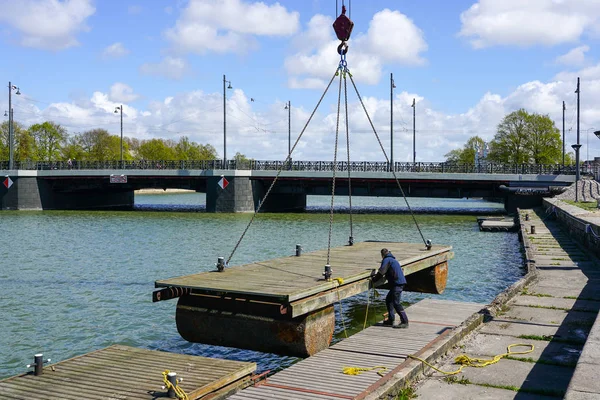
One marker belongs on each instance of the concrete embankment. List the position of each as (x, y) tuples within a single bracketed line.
[(554, 308)]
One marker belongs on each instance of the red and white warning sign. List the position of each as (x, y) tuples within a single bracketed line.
[(223, 182), (7, 182)]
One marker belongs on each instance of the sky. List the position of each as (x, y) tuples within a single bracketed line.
[(467, 63)]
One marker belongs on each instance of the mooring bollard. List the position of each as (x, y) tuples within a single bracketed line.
[(298, 250), (532, 229), (172, 378), (220, 264), (350, 241), (526, 217), (328, 272), (38, 364)]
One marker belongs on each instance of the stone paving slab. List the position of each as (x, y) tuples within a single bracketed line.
[(524, 375), (515, 328), (547, 316), (586, 380), (491, 345), (554, 291), (579, 305), (575, 395), (436, 389)]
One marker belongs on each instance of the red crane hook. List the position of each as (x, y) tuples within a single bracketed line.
[(343, 29)]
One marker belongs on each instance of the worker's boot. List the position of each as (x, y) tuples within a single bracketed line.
[(402, 325), (388, 322)]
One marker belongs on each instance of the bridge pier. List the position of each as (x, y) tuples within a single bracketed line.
[(33, 193), (244, 195)]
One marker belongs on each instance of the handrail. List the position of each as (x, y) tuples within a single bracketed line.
[(309, 166)]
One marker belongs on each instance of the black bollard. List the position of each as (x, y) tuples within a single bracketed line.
[(350, 241), (328, 272), (526, 217), (298, 250), (220, 264), (38, 364), (532, 229), (172, 378)]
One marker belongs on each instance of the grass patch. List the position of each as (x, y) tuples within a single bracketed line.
[(559, 259), (550, 307), (548, 338), (580, 298), (543, 392), (542, 361), (503, 310), (586, 205), (554, 263), (451, 379), (406, 394)]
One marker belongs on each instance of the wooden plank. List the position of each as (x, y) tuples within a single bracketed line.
[(119, 371)]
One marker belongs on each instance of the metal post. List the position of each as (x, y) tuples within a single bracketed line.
[(564, 108), (38, 364), (10, 129), (298, 250), (577, 150), (414, 132), (172, 378), (224, 123), (290, 130), (391, 121), (121, 135)]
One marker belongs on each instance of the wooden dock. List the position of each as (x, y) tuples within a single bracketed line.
[(285, 305), (320, 377), (497, 224), (127, 373)]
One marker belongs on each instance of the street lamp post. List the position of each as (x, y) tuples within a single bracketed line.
[(117, 110), (392, 87), (288, 107), (225, 81), (414, 106), (576, 147), (11, 145)]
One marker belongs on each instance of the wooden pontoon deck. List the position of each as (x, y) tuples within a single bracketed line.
[(122, 372)]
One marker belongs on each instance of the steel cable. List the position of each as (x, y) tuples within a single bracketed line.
[(387, 160), (351, 239), (281, 169), (337, 131)]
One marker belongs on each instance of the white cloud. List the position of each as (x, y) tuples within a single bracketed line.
[(47, 24), (115, 50), (228, 25), (575, 57), (169, 67), (316, 59), (122, 93), (527, 23)]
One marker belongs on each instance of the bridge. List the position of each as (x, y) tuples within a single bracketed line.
[(111, 185)]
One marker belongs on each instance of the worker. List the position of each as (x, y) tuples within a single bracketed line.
[(390, 270)]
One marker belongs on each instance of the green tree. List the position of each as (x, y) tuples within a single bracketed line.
[(543, 140), (466, 155), (156, 149), (48, 138), (100, 145), (186, 150), (510, 143), (208, 152)]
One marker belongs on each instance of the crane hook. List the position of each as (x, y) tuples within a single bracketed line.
[(343, 29)]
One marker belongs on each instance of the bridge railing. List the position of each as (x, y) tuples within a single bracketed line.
[(311, 166)]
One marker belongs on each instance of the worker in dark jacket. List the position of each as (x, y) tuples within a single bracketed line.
[(390, 270)]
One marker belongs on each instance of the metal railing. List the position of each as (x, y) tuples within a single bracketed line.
[(309, 166)]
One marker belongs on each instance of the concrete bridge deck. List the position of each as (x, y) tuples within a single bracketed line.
[(113, 188)]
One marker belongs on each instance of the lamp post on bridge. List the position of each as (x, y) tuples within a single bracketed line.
[(225, 81), (117, 110), (11, 145), (576, 147), (288, 107), (392, 87)]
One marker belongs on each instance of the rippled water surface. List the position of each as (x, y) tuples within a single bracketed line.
[(73, 282)]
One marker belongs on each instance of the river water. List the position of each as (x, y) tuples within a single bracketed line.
[(73, 282)]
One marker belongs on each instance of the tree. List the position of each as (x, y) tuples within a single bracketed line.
[(99, 145), (543, 140), (48, 138), (466, 155), (156, 149), (21, 140), (510, 143)]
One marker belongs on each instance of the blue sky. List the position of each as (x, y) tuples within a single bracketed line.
[(467, 63)]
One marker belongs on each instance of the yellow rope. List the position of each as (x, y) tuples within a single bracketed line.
[(466, 361), (340, 281), (181, 395), (357, 370), (367, 311)]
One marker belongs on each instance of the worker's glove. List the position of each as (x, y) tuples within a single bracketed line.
[(373, 274)]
